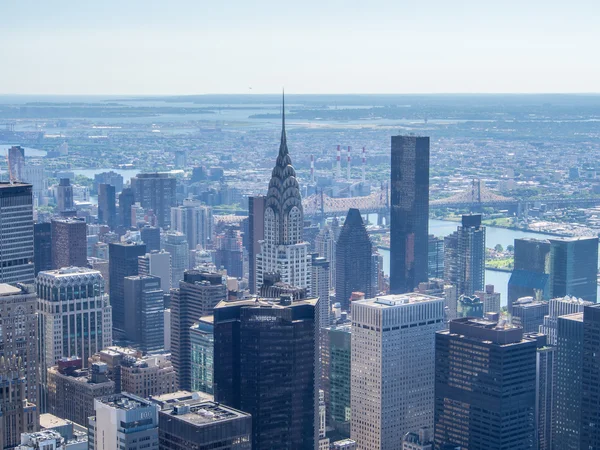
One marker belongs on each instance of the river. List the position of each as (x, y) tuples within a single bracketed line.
[(494, 236)]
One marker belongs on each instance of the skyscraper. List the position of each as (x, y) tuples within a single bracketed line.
[(123, 263), (74, 316), (335, 359), (202, 341), (107, 207), (155, 191), (435, 260), (16, 233), (198, 293), (19, 332), (485, 376), (279, 392), (230, 254), (126, 201), (42, 246), (151, 237), (409, 213), (283, 250), (464, 256), (18, 414), (176, 244), (545, 386), (531, 274), (560, 307), (69, 243), (590, 379), (325, 246), (256, 230), (574, 267), (195, 221), (157, 264), (16, 163), (529, 314), (227, 428), (123, 420), (353, 260), (64, 196), (393, 361), (320, 287), (567, 412), (144, 309)]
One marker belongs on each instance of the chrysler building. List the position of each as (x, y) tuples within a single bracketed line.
[(283, 249)]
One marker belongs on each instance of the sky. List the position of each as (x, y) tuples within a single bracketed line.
[(179, 47)]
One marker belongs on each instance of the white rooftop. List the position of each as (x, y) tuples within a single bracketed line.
[(395, 300)]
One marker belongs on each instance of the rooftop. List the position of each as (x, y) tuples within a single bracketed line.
[(577, 317), (125, 401), (69, 271), (166, 401), (265, 302), (203, 413), (8, 289), (52, 421), (395, 300)]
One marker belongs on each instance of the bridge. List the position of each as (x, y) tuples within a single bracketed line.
[(322, 205), (474, 198)]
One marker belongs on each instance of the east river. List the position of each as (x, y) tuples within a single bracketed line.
[(494, 236)]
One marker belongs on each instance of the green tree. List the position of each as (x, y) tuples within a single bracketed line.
[(499, 248), (510, 248)]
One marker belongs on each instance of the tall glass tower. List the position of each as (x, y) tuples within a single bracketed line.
[(409, 212)]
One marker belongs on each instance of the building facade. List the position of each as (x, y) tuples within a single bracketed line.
[(158, 264), (280, 393), (574, 267), (560, 307), (435, 261), (107, 205), (123, 262), (197, 295), (144, 309), (16, 233), (42, 246), (336, 354), (155, 191), (320, 288), (464, 256), (201, 424), (354, 263), (195, 221), (202, 340), (19, 333), (69, 243), (123, 421), (176, 244), (485, 375), (590, 379), (388, 396), (409, 226), (256, 231)]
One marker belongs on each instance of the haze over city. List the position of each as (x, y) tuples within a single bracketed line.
[(322, 47)]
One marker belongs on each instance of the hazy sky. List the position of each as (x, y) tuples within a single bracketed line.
[(308, 46)]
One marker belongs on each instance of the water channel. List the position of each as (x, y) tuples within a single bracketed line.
[(494, 236)]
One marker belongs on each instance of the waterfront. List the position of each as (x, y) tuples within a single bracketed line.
[(494, 236)]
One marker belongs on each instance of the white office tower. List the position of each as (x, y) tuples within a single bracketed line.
[(157, 264), (74, 314), (176, 244), (195, 220), (557, 307), (123, 421), (320, 288), (393, 365), (283, 250), (325, 246)]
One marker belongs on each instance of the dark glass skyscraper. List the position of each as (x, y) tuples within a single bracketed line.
[(126, 200), (253, 374), (531, 274), (151, 237), (123, 262), (107, 208), (464, 256), (590, 379), (354, 264), (42, 246), (156, 191), (485, 375), (574, 267), (566, 417), (69, 243), (409, 213), (16, 233), (144, 309)]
